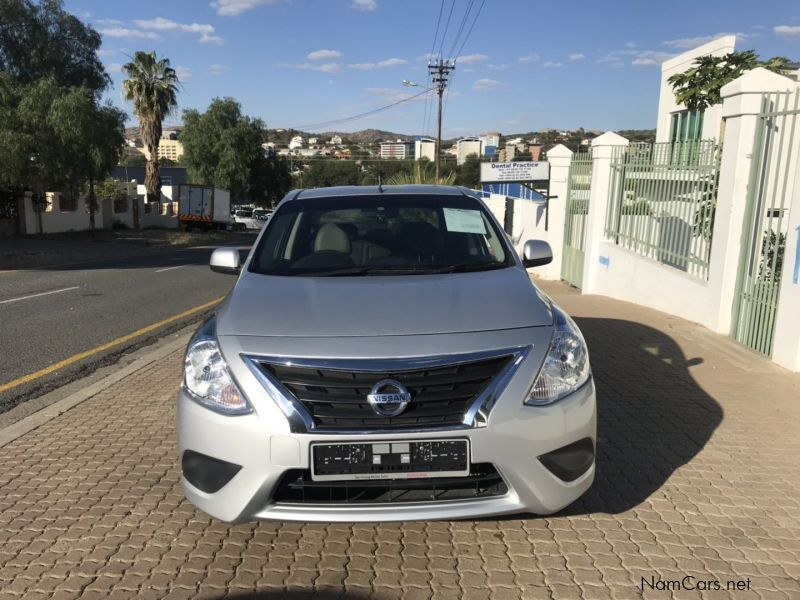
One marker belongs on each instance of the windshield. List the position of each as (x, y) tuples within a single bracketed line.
[(380, 235), (244, 213)]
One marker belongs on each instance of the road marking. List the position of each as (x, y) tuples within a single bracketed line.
[(171, 268), (102, 347), (40, 294)]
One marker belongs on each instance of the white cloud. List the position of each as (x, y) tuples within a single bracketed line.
[(427, 56), (231, 8), (577, 56), (370, 66), (471, 58), (323, 54), (217, 69), (692, 42), (367, 5), (631, 45), (108, 23), (114, 68), (126, 32), (183, 73), (551, 64), (650, 58), (500, 67), (206, 31), (787, 30), (395, 94), (330, 67), (486, 85), (529, 58)]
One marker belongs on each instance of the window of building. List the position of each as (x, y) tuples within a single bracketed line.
[(686, 125)]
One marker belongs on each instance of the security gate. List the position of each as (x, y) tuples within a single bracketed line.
[(577, 209), (766, 221)]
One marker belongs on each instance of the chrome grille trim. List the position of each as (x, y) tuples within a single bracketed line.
[(301, 421)]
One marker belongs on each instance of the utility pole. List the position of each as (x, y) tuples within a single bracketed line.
[(440, 71)]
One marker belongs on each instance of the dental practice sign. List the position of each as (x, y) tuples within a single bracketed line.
[(515, 172)]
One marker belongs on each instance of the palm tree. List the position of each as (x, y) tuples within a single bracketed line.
[(152, 87)]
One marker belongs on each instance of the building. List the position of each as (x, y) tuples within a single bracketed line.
[(312, 141), (490, 139), (169, 175), (675, 121), (296, 142), (467, 146), (425, 148), (336, 140), (399, 149), (171, 149), (536, 151)]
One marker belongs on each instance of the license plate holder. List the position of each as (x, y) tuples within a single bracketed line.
[(395, 459)]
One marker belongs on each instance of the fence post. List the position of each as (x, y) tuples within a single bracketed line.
[(603, 149), (559, 157), (742, 103)]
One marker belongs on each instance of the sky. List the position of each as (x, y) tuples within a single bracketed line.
[(525, 65)]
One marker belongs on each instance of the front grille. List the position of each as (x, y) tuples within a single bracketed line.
[(337, 399), (296, 487)]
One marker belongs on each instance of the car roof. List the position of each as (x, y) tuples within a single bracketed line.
[(374, 190)]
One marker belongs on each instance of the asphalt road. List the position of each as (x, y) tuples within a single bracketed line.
[(48, 316)]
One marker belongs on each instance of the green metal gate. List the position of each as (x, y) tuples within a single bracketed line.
[(577, 211), (766, 221)]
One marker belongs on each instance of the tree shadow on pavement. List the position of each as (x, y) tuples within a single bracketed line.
[(653, 417)]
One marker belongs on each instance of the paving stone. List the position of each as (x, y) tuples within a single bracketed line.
[(696, 476)]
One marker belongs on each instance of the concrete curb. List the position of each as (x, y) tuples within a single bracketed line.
[(48, 413)]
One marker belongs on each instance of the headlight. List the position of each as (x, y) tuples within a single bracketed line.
[(566, 366), (207, 377)]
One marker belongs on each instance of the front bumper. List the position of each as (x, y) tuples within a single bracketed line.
[(514, 438)]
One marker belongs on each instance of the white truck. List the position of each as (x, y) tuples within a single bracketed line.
[(204, 206)]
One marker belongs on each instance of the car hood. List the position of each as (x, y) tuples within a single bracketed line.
[(262, 305)]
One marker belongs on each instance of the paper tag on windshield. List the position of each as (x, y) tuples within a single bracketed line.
[(462, 220)]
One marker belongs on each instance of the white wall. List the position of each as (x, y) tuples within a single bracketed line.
[(54, 220), (679, 64)]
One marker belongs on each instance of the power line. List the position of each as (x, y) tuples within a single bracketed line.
[(446, 27), (471, 27), (464, 20), (358, 116)]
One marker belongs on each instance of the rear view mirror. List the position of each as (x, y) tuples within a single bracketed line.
[(536, 253), (225, 260)]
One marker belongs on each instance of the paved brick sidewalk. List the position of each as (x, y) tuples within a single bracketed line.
[(698, 475)]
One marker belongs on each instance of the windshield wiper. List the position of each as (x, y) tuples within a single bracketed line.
[(464, 267)]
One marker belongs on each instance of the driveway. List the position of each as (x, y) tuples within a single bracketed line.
[(697, 485)]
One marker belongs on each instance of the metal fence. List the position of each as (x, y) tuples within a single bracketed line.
[(766, 221), (663, 198), (577, 212)]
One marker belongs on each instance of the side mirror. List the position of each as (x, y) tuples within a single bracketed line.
[(536, 253), (225, 260)]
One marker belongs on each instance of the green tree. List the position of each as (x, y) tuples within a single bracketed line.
[(421, 173), (41, 39), (699, 87), (329, 173), (152, 87), (469, 172), (222, 147), (53, 133), (55, 138)]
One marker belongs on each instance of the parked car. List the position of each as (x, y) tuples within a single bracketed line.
[(243, 219), (384, 355)]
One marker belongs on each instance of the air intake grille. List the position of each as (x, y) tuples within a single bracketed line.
[(337, 399), (296, 487)]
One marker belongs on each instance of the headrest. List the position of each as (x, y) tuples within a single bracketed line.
[(332, 237)]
